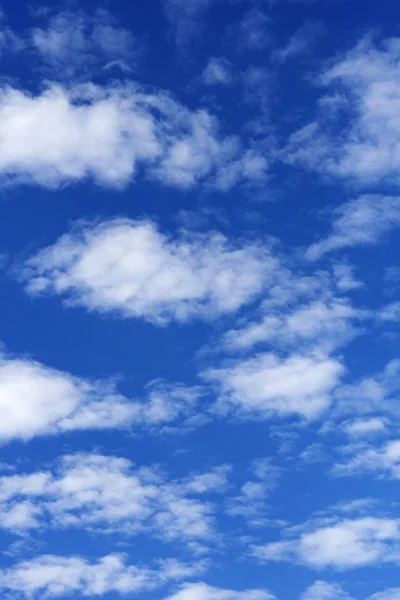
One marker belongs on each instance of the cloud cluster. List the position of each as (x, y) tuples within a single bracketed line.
[(51, 576), (339, 543), (363, 93), (107, 494), (66, 134)]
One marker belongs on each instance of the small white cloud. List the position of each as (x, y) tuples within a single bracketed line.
[(383, 460), (217, 71), (363, 93), (360, 222), (53, 576), (322, 590), (130, 268), (323, 323), (345, 544), (202, 591), (299, 43), (107, 494), (37, 400), (267, 386)]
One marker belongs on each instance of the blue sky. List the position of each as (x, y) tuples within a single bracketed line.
[(199, 307)]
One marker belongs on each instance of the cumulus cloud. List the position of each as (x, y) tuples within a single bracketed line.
[(52, 576), (64, 135), (360, 222), (363, 93), (37, 400), (344, 544), (107, 494), (323, 323), (267, 386), (202, 591), (383, 460), (131, 268)]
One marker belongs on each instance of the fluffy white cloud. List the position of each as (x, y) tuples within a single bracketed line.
[(369, 459), (202, 591), (344, 544), (323, 323), (107, 494), (267, 386), (322, 590), (51, 576), (364, 94), (359, 222), (131, 268), (389, 594), (37, 400), (64, 135)]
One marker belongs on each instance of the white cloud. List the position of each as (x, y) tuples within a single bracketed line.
[(75, 43), (299, 43), (250, 503), (322, 590), (388, 594), (365, 427), (391, 312), (323, 323), (217, 71), (378, 393), (344, 544), (37, 400), (267, 386), (368, 459), (202, 591), (51, 576), (360, 222), (129, 267), (363, 94), (107, 494), (66, 135)]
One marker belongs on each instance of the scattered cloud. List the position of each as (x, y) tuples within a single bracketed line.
[(359, 222), (131, 268), (202, 591), (267, 386), (106, 494), (383, 460), (344, 544), (217, 71), (299, 43), (74, 44), (64, 135), (322, 590), (37, 400), (363, 94), (53, 576)]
